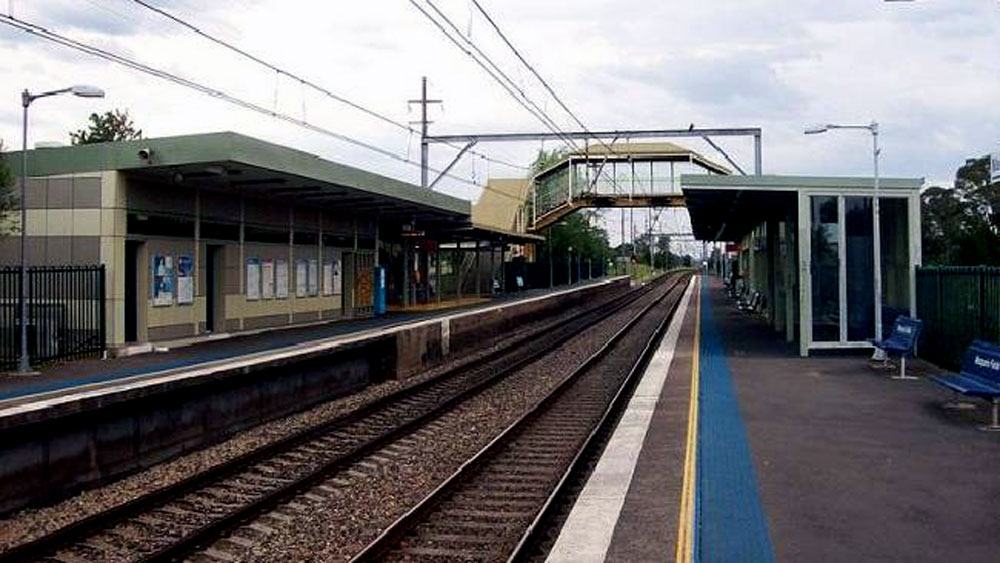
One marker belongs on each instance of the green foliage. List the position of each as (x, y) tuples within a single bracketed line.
[(961, 226), (112, 126), (8, 196), (545, 159), (580, 232)]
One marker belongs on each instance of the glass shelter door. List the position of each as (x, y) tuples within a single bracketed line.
[(842, 267)]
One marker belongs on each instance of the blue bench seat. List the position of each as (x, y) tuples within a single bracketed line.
[(979, 377), (902, 341)]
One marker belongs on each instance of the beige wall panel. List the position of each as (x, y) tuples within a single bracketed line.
[(58, 251), (86, 222), (308, 317), (112, 192), (308, 304), (170, 332), (59, 194), (35, 193), (87, 192), (268, 321), (172, 315), (113, 222), (38, 221), (85, 250)]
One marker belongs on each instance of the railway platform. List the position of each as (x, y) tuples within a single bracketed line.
[(190, 354), (741, 450)]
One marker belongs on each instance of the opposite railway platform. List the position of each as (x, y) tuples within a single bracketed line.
[(735, 449), (190, 354)]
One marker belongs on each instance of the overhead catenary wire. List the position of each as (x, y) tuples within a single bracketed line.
[(303, 81), (498, 76), (47, 34), (544, 83)]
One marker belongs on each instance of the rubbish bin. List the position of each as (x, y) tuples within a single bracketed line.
[(379, 290)]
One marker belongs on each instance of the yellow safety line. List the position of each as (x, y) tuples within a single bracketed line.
[(685, 527)]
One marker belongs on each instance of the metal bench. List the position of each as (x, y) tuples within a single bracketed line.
[(979, 377), (902, 342), (750, 304)]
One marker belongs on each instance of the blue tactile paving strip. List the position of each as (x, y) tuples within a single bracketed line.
[(730, 525)]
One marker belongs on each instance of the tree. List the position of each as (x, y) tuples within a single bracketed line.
[(112, 126), (961, 226), (8, 197)]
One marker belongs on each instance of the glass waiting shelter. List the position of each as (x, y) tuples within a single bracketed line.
[(808, 245)]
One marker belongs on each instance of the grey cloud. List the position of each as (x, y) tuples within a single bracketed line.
[(741, 84), (82, 16)]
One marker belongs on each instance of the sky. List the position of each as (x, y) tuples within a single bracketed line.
[(927, 71)]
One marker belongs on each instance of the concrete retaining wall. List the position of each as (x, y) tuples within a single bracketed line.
[(52, 447)]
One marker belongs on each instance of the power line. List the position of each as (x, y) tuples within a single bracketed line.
[(302, 81), (44, 33), (531, 68), (543, 82), (508, 85)]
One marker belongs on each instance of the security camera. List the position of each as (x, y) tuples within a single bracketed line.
[(145, 154)]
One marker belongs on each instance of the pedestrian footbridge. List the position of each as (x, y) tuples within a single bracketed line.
[(615, 175)]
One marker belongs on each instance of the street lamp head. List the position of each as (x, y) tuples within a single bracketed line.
[(85, 91), (816, 129)]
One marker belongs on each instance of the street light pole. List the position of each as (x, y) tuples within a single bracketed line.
[(24, 360), (876, 213)]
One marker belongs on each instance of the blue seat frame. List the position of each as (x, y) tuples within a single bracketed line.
[(902, 341), (979, 377)]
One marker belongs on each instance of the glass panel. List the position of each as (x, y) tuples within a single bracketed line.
[(895, 260), (825, 269), (860, 270)]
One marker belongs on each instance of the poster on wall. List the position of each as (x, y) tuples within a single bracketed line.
[(313, 278), (281, 279), (267, 278), (185, 280), (253, 279), (301, 285), (327, 278), (163, 280)]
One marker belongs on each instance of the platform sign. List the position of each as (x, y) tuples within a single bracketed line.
[(313, 280), (267, 278), (281, 279), (301, 278), (163, 280), (185, 280), (253, 279)]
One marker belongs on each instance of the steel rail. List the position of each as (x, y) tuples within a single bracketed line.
[(396, 531), (103, 520), (593, 442)]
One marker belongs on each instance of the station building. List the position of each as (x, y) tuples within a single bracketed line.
[(806, 244), (213, 233)]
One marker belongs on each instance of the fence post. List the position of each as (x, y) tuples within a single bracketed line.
[(102, 309)]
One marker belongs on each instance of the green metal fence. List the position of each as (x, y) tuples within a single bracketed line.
[(957, 305)]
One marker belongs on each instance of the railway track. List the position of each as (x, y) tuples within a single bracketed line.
[(172, 522), (495, 507)]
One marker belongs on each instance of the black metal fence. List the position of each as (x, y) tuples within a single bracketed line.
[(66, 308), (957, 306)]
